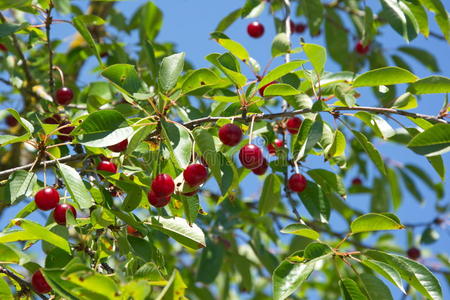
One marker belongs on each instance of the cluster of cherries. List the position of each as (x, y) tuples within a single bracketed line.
[(255, 29), (47, 199)]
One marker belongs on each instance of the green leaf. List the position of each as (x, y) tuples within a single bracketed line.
[(11, 139), (430, 85), (350, 290), (438, 165), (433, 141), (8, 255), (124, 77), (379, 125), (169, 71), (314, 12), (420, 14), (228, 64), (190, 236), (371, 151), (234, 47), (280, 89), (5, 4), (329, 181), (412, 272), (337, 43), (5, 291), (280, 71), (174, 289), (315, 250), (301, 230), (280, 44), (199, 79), (33, 231), (422, 56), (80, 24), (369, 28), (396, 192), (270, 195), (317, 56), (75, 186), (374, 222), (429, 236), (337, 148), (315, 202), (228, 20), (441, 15), (97, 285), (103, 128), (179, 143), (384, 76), (8, 28), (210, 262), (21, 185), (386, 271)]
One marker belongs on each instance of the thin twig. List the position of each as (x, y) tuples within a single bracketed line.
[(48, 23), (24, 285)]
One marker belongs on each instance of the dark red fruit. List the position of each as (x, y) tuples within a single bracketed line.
[(261, 170), (59, 214), (131, 230), (263, 88), (297, 183), (255, 29), (39, 283), (361, 49), (189, 194), (119, 147), (46, 199), (251, 156), (293, 125), (195, 174), (64, 96), (272, 147), (107, 166), (104, 54), (64, 136), (230, 134), (11, 121), (3, 48), (55, 119), (356, 181), (157, 201), (300, 28), (413, 253), (163, 186), (292, 25), (438, 221)]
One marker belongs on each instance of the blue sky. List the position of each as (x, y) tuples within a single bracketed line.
[(188, 24)]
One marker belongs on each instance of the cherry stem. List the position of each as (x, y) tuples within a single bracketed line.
[(61, 74), (251, 130)]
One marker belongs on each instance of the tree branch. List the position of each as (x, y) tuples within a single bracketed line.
[(24, 285), (48, 23)]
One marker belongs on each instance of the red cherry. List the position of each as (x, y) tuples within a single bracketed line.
[(55, 119), (413, 253), (119, 147), (297, 183), (163, 186), (64, 96), (263, 88), (255, 29), (39, 283), (11, 121), (3, 48), (251, 156), (271, 147), (292, 25), (64, 136), (107, 166), (59, 214), (300, 27), (261, 170), (157, 201), (46, 199), (189, 194), (293, 125), (356, 181), (361, 49), (131, 230), (230, 134), (195, 174)]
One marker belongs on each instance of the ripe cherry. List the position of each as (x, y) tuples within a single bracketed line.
[(64, 96), (255, 29), (11, 121), (195, 174), (39, 283), (230, 134), (119, 147), (300, 28), (131, 230), (261, 170), (297, 183), (361, 49), (107, 166), (47, 198), (413, 253), (251, 156), (157, 201), (263, 88), (163, 186), (54, 119), (272, 147), (356, 181), (292, 25), (64, 136), (3, 48), (59, 214), (293, 125)]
